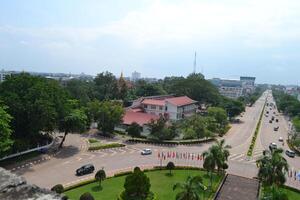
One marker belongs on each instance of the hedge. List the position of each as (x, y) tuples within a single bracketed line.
[(181, 142), (105, 146)]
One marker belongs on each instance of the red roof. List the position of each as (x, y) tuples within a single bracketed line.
[(181, 101), (138, 117), (156, 102)]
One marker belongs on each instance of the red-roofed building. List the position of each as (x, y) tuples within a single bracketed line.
[(174, 108), (138, 117)]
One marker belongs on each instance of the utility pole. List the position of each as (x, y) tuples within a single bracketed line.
[(195, 62)]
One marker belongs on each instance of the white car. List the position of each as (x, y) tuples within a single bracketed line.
[(146, 152), (280, 139)]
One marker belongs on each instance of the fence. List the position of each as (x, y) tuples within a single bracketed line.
[(28, 151)]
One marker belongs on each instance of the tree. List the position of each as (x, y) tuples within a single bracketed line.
[(134, 130), (100, 176), (219, 114), (272, 168), (5, 131), (36, 105), (137, 186), (122, 88), (156, 127), (106, 86), (59, 188), (110, 114), (170, 167), (142, 88), (191, 189), (233, 107), (216, 157), (86, 196), (75, 120), (80, 90)]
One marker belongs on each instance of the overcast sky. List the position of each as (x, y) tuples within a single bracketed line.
[(155, 37)]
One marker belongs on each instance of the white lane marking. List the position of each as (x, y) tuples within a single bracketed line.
[(66, 162), (78, 158)]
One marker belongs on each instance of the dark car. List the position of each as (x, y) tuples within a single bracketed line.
[(290, 153), (85, 169), (272, 146), (270, 121), (277, 120), (276, 128), (273, 118)]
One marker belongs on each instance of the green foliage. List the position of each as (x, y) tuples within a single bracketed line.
[(92, 140), (137, 186), (170, 166), (80, 90), (272, 168), (36, 104), (134, 130), (5, 131), (86, 196), (106, 86), (219, 114), (160, 131), (195, 87), (100, 176), (142, 89), (98, 146), (109, 115), (59, 188), (191, 189), (232, 107), (274, 193)]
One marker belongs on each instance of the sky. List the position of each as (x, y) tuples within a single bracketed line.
[(157, 38)]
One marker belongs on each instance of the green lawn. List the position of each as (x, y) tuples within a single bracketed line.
[(291, 194), (161, 185)]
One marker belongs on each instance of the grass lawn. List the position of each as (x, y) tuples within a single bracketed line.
[(161, 185), (292, 194)]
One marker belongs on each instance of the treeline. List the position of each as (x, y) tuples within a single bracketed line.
[(34, 107), (290, 106)]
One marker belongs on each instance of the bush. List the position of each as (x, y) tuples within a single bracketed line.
[(92, 140), (86, 196), (105, 146), (59, 188), (122, 173), (170, 166)]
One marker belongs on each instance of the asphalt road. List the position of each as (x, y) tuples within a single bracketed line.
[(60, 168)]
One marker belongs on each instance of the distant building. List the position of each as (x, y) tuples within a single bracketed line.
[(248, 84), (4, 75), (135, 76), (228, 88)]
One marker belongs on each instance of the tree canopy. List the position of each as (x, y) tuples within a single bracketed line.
[(5, 131)]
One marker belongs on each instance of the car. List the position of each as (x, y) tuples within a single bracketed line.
[(273, 118), (272, 146), (276, 120), (280, 139), (276, 128), (270, 121), (146, 152), (85, 169), (290, 153), (267, 112)]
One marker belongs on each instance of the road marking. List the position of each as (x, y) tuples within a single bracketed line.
[(236, 156), (78, 158), (67, 162)]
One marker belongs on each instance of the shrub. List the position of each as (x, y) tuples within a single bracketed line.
[(105, 146), (92, 140), (86, 196), (170, 166), (59, 188)]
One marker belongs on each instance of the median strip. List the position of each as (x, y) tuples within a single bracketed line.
[(251, 147)]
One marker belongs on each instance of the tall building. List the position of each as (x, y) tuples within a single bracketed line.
[(135, 76), (248, 84)]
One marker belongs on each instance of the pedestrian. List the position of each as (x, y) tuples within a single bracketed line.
[(295, 175)]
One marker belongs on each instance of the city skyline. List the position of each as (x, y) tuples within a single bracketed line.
[(155, 38)]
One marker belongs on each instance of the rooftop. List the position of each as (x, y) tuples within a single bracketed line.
[(138, 117)]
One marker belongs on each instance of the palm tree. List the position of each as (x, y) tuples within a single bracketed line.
[(272, 168), (275, 194), (209, 162), (191, 189)]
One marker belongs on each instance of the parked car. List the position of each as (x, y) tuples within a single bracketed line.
[(272, 146), (273, 118), (276, 128), (280, 139), (85, 169), (146, 152), (270, 121), (276, 120), (267, 112), (290, 153)]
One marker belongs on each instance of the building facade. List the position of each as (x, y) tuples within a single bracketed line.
[(228, 87), (135, 76)]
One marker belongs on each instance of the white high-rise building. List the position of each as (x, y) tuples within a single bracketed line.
[(135, 76), (3, 75)]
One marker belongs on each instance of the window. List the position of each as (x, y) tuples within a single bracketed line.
[(160, 107), (153, 107), (145, 106)]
